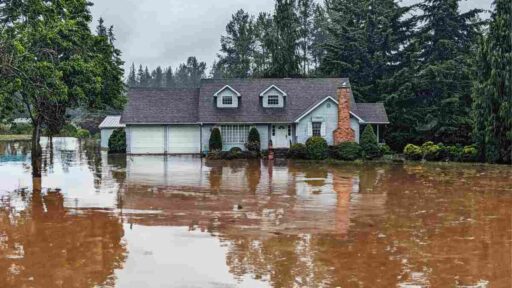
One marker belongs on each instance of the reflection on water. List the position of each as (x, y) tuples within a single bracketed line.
[(154, 221)]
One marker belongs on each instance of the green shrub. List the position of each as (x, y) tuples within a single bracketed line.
[(83, 134), (469, 153), (117, 141), (316, 148), (430, 151), (253, 141), (69, 130), (413, 152), (369, 144), (20, 129), (349, 151), (385, 149), (215, 143), (297, 151), (444, 154), (454, 153)]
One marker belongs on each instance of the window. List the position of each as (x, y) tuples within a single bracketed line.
[(227, 100), (234, 134), (273, 100), (317, 129)]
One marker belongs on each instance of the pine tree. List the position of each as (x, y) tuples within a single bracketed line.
[(146, 80), (169, 78), (444, 88), (237, 46), (284, 48), (101, 30), (492, 88), (305, 11), (132, 78), (264, 38), (158, 78), (140, 76)]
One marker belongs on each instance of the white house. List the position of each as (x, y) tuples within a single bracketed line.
[(285, 111)]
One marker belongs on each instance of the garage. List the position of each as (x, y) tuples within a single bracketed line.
[(147, 139), (184, 139)]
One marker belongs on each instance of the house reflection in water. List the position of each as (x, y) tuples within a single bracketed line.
[(259, 195)]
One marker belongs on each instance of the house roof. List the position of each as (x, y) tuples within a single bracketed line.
[(180, 106), (161, 106), (373, 113), (111, 122), (302, 93)]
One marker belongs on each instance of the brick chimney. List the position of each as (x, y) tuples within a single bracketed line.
[(343, 133)]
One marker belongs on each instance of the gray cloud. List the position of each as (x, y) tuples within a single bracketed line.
[(166, 32)]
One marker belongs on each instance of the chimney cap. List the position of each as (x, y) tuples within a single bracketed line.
[(345, 84)]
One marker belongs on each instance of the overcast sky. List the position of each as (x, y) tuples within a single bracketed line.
[(166, 32)]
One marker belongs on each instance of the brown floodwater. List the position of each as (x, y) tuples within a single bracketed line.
[(95, 220)]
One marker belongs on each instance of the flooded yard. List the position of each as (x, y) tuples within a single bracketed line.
[(95, 220)]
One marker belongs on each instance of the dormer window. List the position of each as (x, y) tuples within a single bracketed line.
[(227, 100), (273, 97), (273, 100), (227, 97)]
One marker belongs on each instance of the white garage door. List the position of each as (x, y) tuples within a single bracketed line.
[(147, 140), (184, 139)]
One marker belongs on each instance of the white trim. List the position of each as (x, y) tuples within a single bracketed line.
[(227, 87), (361, 121), (275, 87)]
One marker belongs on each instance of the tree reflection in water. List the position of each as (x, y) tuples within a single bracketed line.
[(48, 245)]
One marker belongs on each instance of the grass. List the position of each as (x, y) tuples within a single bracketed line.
[(15, 137)]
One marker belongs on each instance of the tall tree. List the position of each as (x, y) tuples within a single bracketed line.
[(54, 62), (305, 11), (264, 38), (169, 78), (492, 88), (443, 79), (140, 76), (158, 78), (237, 46), (132, 78), (284, 48)]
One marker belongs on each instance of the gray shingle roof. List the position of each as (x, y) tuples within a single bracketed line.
[(111, 122), (161, 106), (302, 93), (166, 106), (371, 112)]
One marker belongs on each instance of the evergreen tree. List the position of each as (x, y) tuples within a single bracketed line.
[(318, 36), (305, 11), (132, 78), (443, 79), (145, 80), (101, 30), (140, 76), (169, 78), (237, 46), (158, 78), (284, 46), (264, 38), (492, 88)]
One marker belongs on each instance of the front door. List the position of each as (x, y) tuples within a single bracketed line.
[(281, 135)]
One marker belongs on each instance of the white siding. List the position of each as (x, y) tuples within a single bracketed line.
[(227, 92), (183, 139), (147, 140), (105, 136), (273, 91), (327, 113)]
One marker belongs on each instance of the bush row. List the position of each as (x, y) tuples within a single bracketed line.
[(439, 152), (232, 154), (316, 148)]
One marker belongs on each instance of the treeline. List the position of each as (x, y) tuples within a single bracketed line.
[(187, 75), (443, 75)]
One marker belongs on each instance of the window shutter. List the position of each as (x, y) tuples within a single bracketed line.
[(323, 129), (310, 129)]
